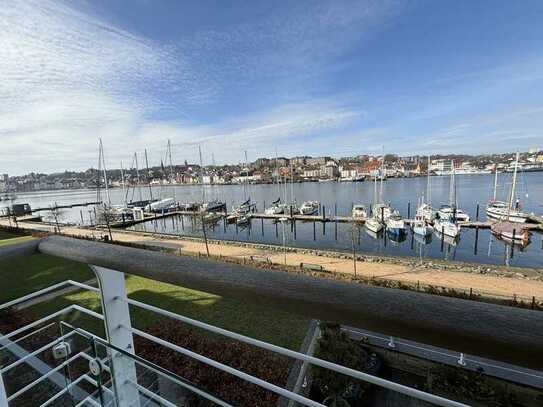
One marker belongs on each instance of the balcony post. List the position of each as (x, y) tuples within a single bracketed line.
[(116, 316), (3, 394)]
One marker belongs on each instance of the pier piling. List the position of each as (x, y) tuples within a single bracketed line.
[(477, 212), (262, 225), (409, 210), (442, 237), (476, 240), (314, 231)]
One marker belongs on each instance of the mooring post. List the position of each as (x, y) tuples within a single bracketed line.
[(224, 225), (476, 244), (81, 214), (442, 237), (335, 225), (323, 213), (294, 224), (276, 231), (477, 212), (408, 209), (314, 231), (412, 240), (264, 207), (182, 222), (385, 235), (262, 225)]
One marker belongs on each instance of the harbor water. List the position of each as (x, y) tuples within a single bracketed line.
[(336, 198)]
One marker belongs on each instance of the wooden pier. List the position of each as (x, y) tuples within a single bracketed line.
[(309, 218)]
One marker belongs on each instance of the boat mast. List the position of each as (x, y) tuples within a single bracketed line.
[(495, 182), (138, 176), (202, 174), (451, 185), (277, 178), (171, 167), (148, 178), (428, 193), (122, 182), (291, 181), (513, 186), (382, 175), (105, 172), (245, 181)]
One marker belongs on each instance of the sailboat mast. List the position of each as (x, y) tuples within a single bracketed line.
[(245, 181), (513, 185), (495, 182), (428, 193), (277, 178), (451, 185), (172, 177), (105, 173), (202, 174), (148, 178), (138, 176), (122, 183), (382, 176)]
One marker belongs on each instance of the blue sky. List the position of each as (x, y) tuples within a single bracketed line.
[(304, 77)]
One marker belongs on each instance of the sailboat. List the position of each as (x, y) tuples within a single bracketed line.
[(214, 205), (425, 211), (501, 210), (509, 230), (359, 212), (373, 224), (276, 208), (451, 211)]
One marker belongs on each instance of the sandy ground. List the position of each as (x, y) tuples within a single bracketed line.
[(452, 279)]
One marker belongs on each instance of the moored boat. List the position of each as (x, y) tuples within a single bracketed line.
[(511, 231), (359, 212), (309, 208), (373, 225), (395, 225), (446, 227)]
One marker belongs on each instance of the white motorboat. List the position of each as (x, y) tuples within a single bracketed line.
[(309, 208), (213, 206), (446, 227), (420, 227), (450, 212), (359, 212), (373, 225), (395, 225), (158, 206)]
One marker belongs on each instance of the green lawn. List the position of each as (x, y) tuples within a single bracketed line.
[(254, 318), (10, 238)]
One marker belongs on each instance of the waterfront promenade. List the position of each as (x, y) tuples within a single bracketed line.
[(426, 273)]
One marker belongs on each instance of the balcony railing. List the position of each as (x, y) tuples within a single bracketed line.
[(93, 370)]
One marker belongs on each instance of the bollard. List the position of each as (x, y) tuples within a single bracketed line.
[(294, 224), (314, 231), (442, 237), (408, 209), (262, 225), (470, 292), (533, 302), (477, 212)]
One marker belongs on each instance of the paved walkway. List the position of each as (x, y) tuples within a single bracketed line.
[(500, 286)]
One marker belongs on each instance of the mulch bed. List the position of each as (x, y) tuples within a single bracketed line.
[(257, 362)]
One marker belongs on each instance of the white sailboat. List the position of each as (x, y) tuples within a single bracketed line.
[(373, 224), (359, 212), (309, 208), (451, 210), (425, 212), (508, 229), (501, 210)]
